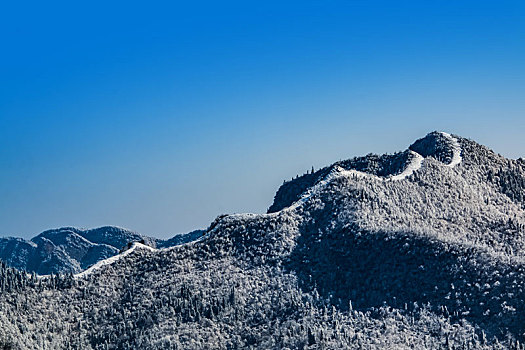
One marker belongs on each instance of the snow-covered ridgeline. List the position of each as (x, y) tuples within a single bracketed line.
[(414, 165), (117, 257), (456, 150), (135, 246), (336, 172), (111, 260)]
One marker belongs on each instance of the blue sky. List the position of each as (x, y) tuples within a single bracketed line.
[(159, 116)]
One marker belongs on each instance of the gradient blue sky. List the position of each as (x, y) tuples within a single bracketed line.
[(160, 116)]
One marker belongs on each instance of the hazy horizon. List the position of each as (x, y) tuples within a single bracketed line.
[(159, 119)]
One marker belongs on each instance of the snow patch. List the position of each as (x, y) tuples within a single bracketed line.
[(415, 164), (113, 259), (456, 150)]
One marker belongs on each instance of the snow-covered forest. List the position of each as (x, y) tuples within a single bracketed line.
[(361, 254)]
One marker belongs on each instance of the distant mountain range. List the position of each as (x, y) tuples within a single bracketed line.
[(70, 249), (420, 249)]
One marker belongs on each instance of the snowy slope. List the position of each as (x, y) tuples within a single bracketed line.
[(71, 249), (415, 163), (113, 259), (382, 252), (456, 149)]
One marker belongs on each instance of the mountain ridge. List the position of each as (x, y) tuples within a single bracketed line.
[(71, 249), (355, 257)]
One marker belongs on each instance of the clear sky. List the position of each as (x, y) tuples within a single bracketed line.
[(159, 116)]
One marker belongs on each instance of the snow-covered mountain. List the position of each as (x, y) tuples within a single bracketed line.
[(421, 249), (70, 249)]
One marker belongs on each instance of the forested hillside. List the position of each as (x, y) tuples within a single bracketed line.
[(72, 250), (421, 249)]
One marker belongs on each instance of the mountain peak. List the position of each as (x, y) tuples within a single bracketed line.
[(428, 242), (439, 145)]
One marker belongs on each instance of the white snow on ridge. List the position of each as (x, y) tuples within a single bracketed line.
[(415, 164), (112, 259), (456, 150)]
